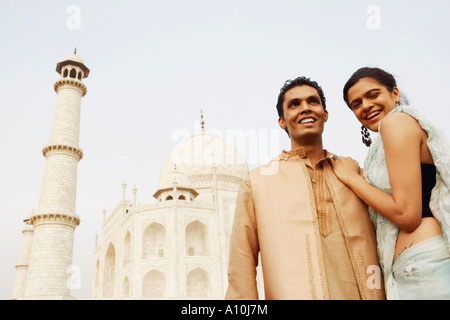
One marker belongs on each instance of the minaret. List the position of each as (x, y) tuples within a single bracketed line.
[(24, 259), (55, 221)]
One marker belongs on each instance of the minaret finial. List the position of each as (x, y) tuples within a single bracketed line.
[(75, 50), (202, 122)]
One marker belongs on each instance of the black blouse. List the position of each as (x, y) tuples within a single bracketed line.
[(428, 183)]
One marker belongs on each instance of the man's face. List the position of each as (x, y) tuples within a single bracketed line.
[(304, 115)]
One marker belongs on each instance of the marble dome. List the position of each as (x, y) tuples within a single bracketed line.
[(182, 181), (200, 153), (74, 57)]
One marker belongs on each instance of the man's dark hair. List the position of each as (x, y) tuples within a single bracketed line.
[(300, 81)]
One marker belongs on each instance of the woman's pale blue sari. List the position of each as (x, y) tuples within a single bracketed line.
[(375, 171)]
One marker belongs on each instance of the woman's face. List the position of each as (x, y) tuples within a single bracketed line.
[(371, 101)]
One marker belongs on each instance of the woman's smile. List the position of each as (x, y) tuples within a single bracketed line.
[(371, 102)]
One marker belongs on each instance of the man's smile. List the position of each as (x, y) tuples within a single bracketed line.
[(308, 121)]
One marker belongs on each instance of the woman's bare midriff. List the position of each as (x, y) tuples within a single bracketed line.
[(428, 228)]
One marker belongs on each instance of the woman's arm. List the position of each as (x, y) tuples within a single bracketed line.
[(402, 138)]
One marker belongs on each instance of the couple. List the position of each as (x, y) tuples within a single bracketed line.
[(323, 228)]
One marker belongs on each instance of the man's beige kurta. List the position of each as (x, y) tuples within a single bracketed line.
[(276, 217)]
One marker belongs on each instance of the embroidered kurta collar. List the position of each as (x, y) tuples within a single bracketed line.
[(300, 151), (297, 152)]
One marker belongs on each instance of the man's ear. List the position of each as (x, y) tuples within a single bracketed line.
[(325, 115), (282, 123)]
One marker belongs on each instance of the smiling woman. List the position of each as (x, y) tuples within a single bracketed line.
[(407, 165), (370, 101)]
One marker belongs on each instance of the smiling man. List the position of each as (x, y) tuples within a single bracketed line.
[(313, 233)]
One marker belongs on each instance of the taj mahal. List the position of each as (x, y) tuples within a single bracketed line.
[(173, 248)]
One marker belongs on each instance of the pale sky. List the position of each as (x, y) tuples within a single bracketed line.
[(155, 64)]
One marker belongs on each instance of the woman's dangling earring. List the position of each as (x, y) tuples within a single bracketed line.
[(366, 136)]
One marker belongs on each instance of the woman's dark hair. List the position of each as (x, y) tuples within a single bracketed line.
[(300, 81), (376, 74)]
